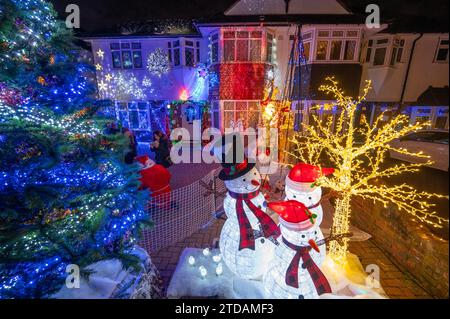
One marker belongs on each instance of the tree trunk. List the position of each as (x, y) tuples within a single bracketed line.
[(340, 226)]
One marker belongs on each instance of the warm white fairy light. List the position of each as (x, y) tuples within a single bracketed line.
[(352, 177), (219, 269), (191, 260), (203, 272)]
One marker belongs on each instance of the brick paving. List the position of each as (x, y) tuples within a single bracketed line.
[(396, 284)]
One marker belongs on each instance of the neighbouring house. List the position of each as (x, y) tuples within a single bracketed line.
[(166, 74)]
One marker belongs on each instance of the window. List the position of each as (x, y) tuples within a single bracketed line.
[(397, 51), (215, 48), (126, 55), (350, 48), (322, 47), (270, 48), (244, 46), (442, 51), (245, 112), (369, 50), (381, 46), (338, 47), (307, 49), (191, 50), (380, 55)]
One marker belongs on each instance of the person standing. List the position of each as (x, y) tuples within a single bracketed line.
[(160, 146)]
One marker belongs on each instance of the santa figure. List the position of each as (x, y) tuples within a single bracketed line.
[(155, 178), (294, 273), (301, 186), (247, 240)]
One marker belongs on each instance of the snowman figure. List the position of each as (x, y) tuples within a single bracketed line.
[(294, 273), (301, 186), (248, 237)]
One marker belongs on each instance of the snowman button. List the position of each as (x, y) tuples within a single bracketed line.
[(262, 241), (304, 265), (301, 297), (265, 204)]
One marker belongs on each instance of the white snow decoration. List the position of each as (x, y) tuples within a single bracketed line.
[(246, 263), (217, 258), (191, 260), (186, 282), (108, 278), (158, 62)]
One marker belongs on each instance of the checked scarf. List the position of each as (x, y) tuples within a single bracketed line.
[(320, 281), (268, 226)]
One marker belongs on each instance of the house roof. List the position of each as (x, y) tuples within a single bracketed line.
[(145, 17), (434, 96)]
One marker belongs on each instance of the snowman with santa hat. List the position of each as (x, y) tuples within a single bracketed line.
[(295, 272), (248, 237), (302, 186)]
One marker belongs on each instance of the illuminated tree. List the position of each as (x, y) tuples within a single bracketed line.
[(358, 154), (66, 195)]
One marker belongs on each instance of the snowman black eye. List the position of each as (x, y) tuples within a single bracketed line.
[(295, 196), (309, 198), (244, 180), (303, 236)]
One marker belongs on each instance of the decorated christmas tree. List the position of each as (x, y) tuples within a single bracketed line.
[(66, 195)]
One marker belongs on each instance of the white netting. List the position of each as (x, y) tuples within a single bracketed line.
[(183, 212)]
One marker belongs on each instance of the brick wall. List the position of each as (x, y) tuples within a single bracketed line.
[(410, 245)]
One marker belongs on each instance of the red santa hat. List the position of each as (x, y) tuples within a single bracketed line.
[(145, 161), (303, 176), (293, 215)]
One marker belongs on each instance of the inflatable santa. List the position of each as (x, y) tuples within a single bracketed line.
[(155, 178), (294, 273)]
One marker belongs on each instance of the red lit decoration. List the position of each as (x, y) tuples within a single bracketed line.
[(242, 81)]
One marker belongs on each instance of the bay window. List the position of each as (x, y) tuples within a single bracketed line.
[(336, 45)]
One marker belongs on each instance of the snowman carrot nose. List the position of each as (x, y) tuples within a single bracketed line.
[(255, 183), (313, 245)]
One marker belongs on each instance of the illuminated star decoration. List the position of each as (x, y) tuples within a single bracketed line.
[(353, 177), (108, 77), (102, 86), (98, 67), (101, 53)]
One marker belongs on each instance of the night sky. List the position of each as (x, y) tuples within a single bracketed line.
[(99, 15)]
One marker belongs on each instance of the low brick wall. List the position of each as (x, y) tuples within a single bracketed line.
[(411, 246)]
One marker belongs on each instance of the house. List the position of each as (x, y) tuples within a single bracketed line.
[(166, 74)]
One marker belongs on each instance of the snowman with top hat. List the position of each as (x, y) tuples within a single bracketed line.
[(302, 186), (295, 272), (248, 237)]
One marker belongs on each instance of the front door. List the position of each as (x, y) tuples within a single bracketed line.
[(189, 114)]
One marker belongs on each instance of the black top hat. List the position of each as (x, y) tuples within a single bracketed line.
[(234, 160)]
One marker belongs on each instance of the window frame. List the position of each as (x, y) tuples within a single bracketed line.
[(239, 38), (440, 47), (344, 36), (119, 49)]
